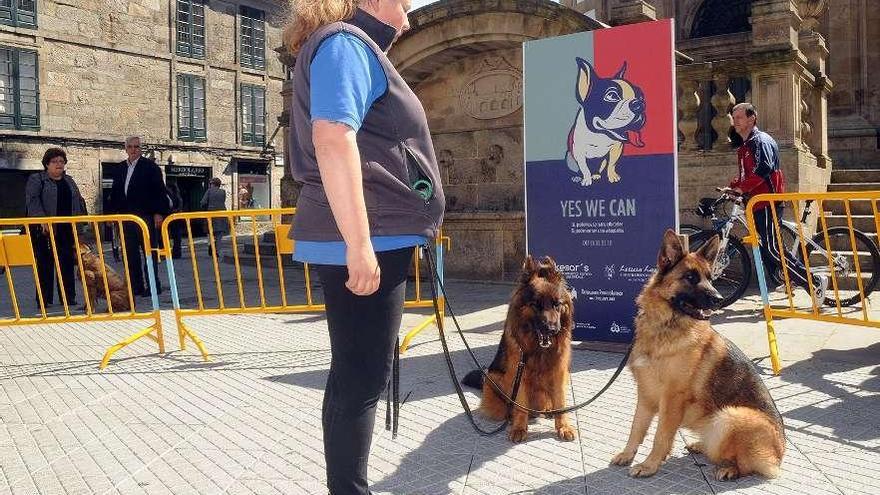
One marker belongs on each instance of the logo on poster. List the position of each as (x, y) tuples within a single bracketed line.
[(615, 328), (609, 272)]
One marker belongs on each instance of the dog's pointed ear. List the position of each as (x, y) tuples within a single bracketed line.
[(621, 72), (528, 269), (671, 252), (552, 269), (585, 79), (709, 250), (529, 265)]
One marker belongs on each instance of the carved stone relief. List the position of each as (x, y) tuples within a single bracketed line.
[(494, 91)]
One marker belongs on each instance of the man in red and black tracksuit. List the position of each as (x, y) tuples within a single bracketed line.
[(759, 172)]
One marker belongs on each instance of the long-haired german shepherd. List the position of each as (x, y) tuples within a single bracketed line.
[(539, 323), (692, 377)]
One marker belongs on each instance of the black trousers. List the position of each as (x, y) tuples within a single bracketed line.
[(797, 272), (363, 333), (137, 257), (46, 270), (176, 233)]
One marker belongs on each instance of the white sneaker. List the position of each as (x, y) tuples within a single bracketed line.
[(820, 288)]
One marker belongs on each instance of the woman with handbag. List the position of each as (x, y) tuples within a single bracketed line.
[(53, 193)]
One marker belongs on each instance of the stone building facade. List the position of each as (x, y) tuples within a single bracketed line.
[(199, 80)]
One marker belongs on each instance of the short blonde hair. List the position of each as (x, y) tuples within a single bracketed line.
[(306, 16)]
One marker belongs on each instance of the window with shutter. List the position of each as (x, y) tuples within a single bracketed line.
[(19, 89), (253, 38), (20, 13), (190, 28), (191, 117), (253, 115)]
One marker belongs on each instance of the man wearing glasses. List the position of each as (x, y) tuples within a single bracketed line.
[(139, 189)]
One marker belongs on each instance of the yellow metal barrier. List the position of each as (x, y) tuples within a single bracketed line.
[(843, 251), (56, 244), (211, 296)]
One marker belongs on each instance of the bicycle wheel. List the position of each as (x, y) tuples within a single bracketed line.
[(843, 262), (732, 271)]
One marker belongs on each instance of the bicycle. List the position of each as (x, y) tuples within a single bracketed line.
[(732, 271)]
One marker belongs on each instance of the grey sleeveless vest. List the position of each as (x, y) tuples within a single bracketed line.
[(394, 142)]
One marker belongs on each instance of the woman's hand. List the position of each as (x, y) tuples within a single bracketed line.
[(363, 269)]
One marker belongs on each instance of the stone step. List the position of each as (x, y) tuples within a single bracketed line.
[(854, 186), (820, 263), (865, 223), (855, 176), (856, 207)]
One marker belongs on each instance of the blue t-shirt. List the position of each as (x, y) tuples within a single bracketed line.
[(346, 79)]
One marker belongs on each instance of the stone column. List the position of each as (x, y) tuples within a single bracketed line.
[(818, 87), (722, 101), (775, 25), (688, 104), (775, 73)]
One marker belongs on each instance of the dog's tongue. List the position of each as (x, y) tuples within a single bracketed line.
[(634, 138)]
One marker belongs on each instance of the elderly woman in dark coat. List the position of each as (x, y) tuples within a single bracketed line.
[(53, 193)]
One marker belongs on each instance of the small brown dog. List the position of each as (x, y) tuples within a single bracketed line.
[(692, 377), (94, 276), (539, 323)]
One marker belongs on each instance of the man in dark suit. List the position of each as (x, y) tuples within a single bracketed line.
[(139, 189)]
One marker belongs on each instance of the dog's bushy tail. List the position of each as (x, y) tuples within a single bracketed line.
[(747, 436), (473, 379)]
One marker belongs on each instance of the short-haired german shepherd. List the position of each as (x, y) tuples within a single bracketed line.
[(692, 377), (540, 319)]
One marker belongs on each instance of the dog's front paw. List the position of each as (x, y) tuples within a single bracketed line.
[(565, 433), (644, 469), (613, 177), (517, 435), (623, 459), (587, 180), (725, 473)]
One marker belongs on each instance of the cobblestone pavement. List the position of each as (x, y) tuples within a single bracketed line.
[(248, 421)]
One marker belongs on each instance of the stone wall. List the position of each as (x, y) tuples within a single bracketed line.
[(108, 70), (478, 143), (853, 28)]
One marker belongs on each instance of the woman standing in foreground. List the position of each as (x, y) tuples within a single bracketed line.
[(363, 152)]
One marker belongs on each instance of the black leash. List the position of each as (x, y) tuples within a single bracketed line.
[(392, 397), (435, 279)]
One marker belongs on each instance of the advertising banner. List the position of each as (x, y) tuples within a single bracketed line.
[(600, 172)]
